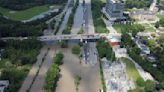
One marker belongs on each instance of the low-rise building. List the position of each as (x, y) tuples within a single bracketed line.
[(144, 48), (114, 39), (142, 15)]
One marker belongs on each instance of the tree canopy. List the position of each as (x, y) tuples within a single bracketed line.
[(138, 3), (24, 4), (17, 58)]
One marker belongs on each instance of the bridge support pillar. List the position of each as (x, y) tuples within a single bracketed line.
[(85, 41), (60, 40), (81, 40)]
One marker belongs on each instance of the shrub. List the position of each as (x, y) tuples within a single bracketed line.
[(58, 58), (76, 50), (140, 82), (53, 73)]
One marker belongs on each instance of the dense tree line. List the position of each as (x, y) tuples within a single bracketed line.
[(99, 24), (160, 23), (130, 28), (17, 57), (20, 52), (105, 50), (160, 4), (15, 77), (19, 29), (134, 53), (146, 86), (137, 3), (24, 4)]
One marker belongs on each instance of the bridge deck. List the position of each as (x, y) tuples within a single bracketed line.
[(67, 37)]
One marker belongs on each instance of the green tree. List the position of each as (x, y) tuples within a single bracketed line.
[(161, 40), (15, 76), (136, 90), (161, 22), (149, 86), (64, 44), (157, 24), (140, 82), (58, 58)]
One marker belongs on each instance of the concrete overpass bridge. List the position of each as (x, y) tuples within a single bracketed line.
[(80, 37)]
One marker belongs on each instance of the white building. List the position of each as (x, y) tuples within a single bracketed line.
[(3, 84), (115, 8)]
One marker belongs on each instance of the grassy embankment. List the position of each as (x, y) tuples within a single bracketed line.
[(25, 14), (131, 69), (119, 27)]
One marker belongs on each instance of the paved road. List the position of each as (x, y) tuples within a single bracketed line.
[(88, 20), (27, 82), (65, 21), (78, 19), (60, 15), (40, 79), (89, 29)]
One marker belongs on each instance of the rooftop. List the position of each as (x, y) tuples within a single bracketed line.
[(117, 1)]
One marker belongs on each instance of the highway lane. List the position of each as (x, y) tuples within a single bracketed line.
[(78, 19), (65, 21), (90, 48)]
